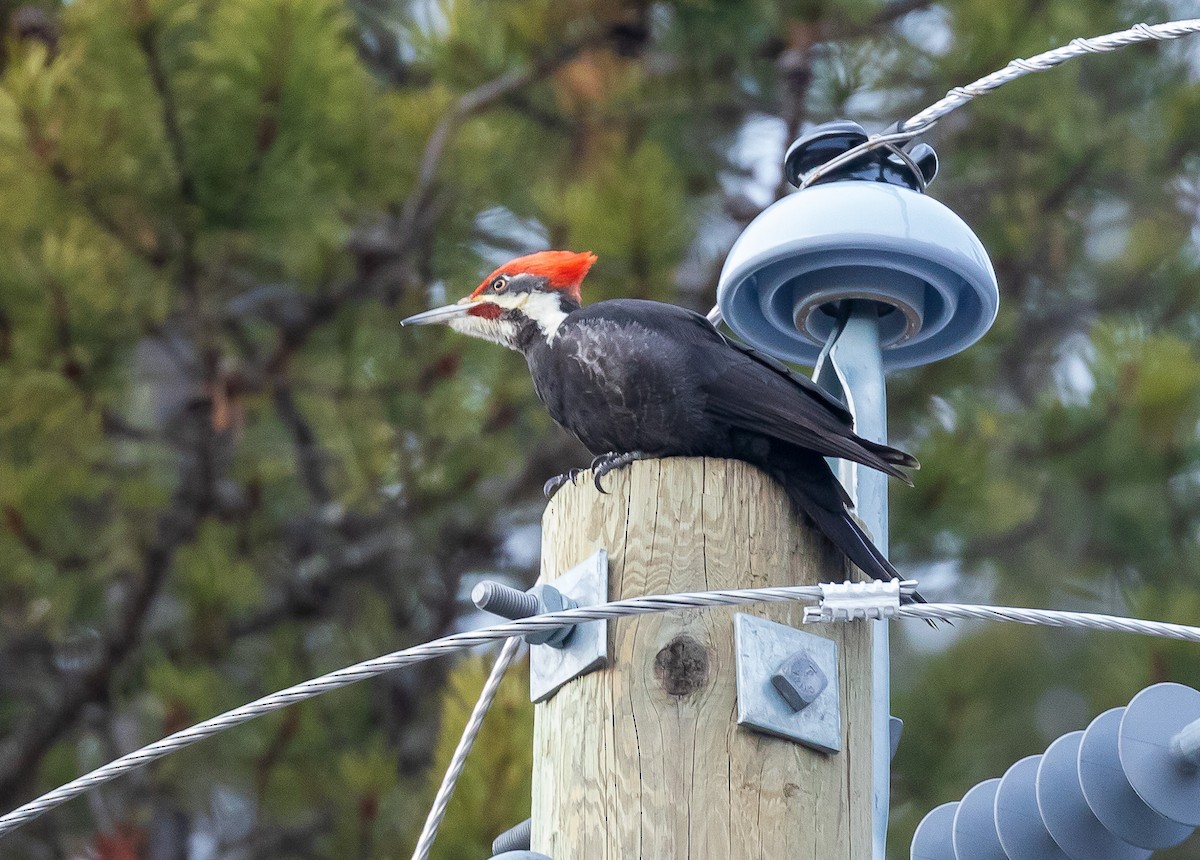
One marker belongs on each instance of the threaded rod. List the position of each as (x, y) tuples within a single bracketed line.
[(502, 600), (1186, 745), (514, 839)]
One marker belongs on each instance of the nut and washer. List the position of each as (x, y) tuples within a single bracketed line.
[(507, 602), (799, 680)]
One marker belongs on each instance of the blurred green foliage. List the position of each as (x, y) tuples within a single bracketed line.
[(223, 468), (493, 793)]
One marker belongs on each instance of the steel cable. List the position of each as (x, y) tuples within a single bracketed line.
[(924, 120), (379, 665), (1051, 618), (617, 609), (459, 760)]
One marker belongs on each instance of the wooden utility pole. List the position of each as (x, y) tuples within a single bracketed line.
[(645, 759)]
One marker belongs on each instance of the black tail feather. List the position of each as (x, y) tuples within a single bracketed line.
[(892, 455), (832, 519), (893, 459), (848, 536)]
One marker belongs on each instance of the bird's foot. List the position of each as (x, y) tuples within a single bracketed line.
[(558, 482), (606, 463)]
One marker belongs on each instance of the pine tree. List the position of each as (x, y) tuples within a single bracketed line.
[(223, 468)]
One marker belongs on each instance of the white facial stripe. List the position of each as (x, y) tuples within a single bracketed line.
[(545, 309), (502, 332)]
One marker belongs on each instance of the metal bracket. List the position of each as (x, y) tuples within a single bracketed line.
[(586, 649), (830, 375), (851, 367), (762, 647), (895, 730)]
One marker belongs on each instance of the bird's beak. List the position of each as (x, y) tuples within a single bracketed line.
[(440, 315)]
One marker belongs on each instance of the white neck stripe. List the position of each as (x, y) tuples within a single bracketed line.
[(545, 309)]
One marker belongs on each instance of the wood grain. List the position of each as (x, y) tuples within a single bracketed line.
[(645, 759)]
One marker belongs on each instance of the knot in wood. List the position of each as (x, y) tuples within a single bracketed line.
[(681, 667)]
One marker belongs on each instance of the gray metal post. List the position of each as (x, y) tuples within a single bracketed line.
[(852, 367)]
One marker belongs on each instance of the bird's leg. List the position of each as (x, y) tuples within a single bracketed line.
[(606, 463), (558, 482)]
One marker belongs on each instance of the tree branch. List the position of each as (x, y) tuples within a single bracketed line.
[(170, 113), (26, 746), (44, 150), (889, 14), (189, 270), (473, 101), (310, 459)]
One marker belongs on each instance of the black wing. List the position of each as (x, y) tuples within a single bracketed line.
[(751, 391), (756, 392)]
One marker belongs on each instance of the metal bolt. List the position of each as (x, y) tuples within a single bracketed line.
[(1186, 745), (515, 838), (799, 680), (500, 599)]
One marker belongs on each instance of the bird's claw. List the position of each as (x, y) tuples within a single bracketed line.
[(559, 481), (606, 463)]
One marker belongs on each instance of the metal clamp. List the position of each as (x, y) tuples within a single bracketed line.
[(846, 601)]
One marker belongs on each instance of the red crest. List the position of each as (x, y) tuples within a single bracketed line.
[(565, 270)]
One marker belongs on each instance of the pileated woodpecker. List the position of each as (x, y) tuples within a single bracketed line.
[(636, 379)]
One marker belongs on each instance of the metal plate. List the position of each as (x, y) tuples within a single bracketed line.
[(932, 840), (1022, 831), (1153, 718), (587, 649), (1065, 811), (1112, 798), (974, 828), (761, 646)]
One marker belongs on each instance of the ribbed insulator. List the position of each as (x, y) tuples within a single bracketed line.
[(1125, 787)]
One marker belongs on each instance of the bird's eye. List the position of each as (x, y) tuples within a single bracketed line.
[(500, 284)]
